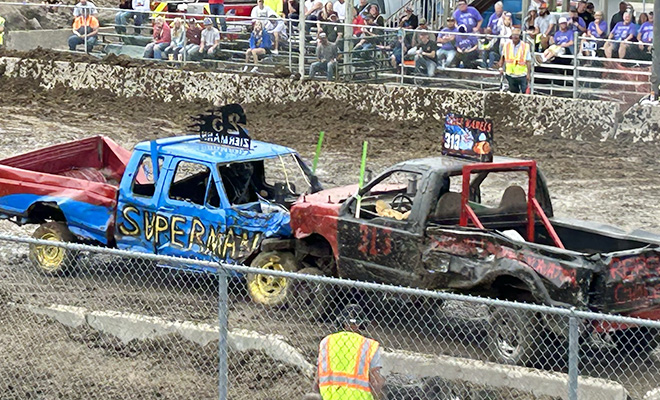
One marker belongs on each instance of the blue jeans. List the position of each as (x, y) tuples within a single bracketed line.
[(517, 84), (447, 56), (75, 40), (320, 66), (424, 64), (153, 50), (218, 9), (121, 20)]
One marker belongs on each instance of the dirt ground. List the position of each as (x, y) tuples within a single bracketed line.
[(614, 182)]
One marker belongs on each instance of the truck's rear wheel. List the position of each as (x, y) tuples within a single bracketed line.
[(52, 260), (271, 290), (515, 336)]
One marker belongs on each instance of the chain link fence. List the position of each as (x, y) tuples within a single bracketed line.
[(120, 325)]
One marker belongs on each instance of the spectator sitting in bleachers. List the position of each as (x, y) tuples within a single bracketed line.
[(425, 55), (209, 42), (367, 34), (408, 20), (85, 29), (326, 55), (415, 41), (561, 42), (645, 39), (178, 34), (395, 48), (577, 24), (193, 39), (468, 16), (492, 26), (528, 23), (378, 18), (261, 12), (313, 10), (84, 8), (446, 39), (325, 14), (334, 33), (466, 49), (161, 38), (339, 7), (641, 20), (490, 47), (618, 17), (584, 12), (139, 11), (543, 27), (260, 45), (597, 29), (623, 31), (277, 30), (291, 10), (361, 7)]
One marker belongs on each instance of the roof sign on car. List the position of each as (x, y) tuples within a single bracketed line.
[(223, 125), (466, 137)]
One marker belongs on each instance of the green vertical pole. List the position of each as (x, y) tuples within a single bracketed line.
[(318, 151), (363, 164)]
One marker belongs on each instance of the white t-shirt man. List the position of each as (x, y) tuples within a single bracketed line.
[(340, 8), (279, 27), (261, 13)]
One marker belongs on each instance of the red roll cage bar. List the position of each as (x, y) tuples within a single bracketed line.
[(533, 207)]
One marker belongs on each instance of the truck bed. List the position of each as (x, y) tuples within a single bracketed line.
[(78, 179)]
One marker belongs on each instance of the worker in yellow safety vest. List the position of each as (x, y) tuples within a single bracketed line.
[(349, 364), (516, 63), (2, 32)]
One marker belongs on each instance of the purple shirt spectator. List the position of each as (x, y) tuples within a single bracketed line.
[(563, 37), (466, 42), (469, 18), (647, 32), (580, 22), (622, 31), (493, 23), (603, 27), (450, 31)]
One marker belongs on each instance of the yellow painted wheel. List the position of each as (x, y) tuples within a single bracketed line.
[(267, 289), (52, 260)]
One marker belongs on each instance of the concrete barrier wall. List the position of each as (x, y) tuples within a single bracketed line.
[(529, 115), (44, 38)]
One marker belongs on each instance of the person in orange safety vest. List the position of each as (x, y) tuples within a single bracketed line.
[(349, 364), (516, 63)]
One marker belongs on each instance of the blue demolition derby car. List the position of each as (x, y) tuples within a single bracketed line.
[(216, 196)]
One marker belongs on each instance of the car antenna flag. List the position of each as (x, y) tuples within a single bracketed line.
[(467, 137), (223, 126), (363, 164)]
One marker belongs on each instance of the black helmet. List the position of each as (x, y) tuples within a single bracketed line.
[(352, 314)]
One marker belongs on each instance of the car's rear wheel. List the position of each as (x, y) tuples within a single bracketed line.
[(515, 336), (52, 260), (267, 289)]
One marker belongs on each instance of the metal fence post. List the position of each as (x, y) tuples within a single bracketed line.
[(573, 357), (403, 56), (223, 309), (301, 40), (290, 31), (575, 64)]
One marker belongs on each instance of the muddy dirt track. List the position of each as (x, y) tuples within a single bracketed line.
[(614, 182)]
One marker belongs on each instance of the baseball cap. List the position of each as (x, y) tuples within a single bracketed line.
[(450, 18), (563, 20), (573, 9), (408, 8), (207, 21), (422, 21), (515, 31), (543, 5)]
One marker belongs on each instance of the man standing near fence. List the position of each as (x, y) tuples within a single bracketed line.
[(349, 364), (516, 63)]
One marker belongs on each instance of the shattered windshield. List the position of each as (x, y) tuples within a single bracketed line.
[(280, 179)]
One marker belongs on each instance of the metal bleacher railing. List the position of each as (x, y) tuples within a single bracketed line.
[(580, 74)]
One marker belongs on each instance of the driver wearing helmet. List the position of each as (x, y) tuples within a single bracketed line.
[(349, 364)]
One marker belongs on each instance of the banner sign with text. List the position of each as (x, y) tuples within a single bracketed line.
[(470, 138)]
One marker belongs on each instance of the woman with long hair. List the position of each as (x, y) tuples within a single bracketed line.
[(260, 44)]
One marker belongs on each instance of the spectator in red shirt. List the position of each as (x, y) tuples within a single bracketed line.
[(161, 38)]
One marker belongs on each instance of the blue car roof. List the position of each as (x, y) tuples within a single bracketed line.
[(193, 148)]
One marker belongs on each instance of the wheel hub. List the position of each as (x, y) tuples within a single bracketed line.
[(268, 288), (50, 258)]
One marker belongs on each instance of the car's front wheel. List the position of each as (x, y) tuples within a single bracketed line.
[(267, 289)]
